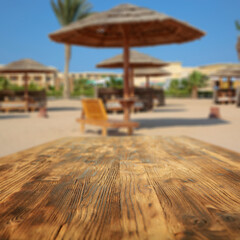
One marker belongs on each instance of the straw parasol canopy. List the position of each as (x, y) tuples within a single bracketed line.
[(231, 71), (145, 28), (127, 26), (26, 66), (150, 72), (136, 60)]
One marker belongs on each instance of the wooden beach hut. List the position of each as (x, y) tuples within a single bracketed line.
[(26, 66)]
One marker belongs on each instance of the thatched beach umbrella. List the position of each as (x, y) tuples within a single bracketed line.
[(231, 71), (127, 26), (150, 72), (26, 66), (228, 72), (136, 60)]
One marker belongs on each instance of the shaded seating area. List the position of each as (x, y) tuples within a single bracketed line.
[(145, 98), (94, 113), (226, 85), (33, 101), (15, 101)]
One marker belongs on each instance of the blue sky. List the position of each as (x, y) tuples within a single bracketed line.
[(25, 25)]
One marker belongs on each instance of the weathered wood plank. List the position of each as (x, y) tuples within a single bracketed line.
[(121, 188)]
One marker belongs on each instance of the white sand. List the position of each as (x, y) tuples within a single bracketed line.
[(19, 131)]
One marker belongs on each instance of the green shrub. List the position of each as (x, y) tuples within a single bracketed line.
[(4, 83), (115, 82), (52, 92), (83, 87)]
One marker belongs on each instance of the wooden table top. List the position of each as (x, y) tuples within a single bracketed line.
[(121, 188)]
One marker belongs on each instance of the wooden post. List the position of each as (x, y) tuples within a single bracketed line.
[(82, 127), (126, 63), (104, 131), (229, 82), (95, 91), (220, 82), (130, 131), (238, 97), (131, 76), (147, 81), (26, 95), (126, 55)]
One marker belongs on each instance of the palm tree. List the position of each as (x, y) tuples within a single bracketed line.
[(197, 80), (68, 11), (237, 25)]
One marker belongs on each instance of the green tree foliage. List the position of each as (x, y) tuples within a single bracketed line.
[(237, 24), (178, 88), (52, 92), (196, 80), (68, 11), (83, 87), (187, 86), (115, 83), (4, 83), (34, 87)]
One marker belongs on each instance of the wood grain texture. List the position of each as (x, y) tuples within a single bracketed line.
[(121, 188)]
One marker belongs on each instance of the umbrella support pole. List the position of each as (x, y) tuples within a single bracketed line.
[(26, 95), (131, 74), (126, 56), (126, 103), (147, 82)]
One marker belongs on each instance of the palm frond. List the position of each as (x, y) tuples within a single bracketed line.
[(237, 25), (68, 11)]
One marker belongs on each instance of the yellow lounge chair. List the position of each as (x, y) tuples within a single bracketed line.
[(94, 113)]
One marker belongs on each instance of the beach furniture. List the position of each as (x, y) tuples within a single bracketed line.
[(142, 187), (144, 98), (94, 113), (127, 26), (11, 105), (15, 100), (238, 97), (26, 67), (145, 65), (226, 91)]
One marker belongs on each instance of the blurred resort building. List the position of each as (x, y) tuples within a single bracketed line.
[(175, 68), (178, 72), (41, 79)]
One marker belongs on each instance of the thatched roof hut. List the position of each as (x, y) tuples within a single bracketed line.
[(136, 60), (150, 72), (231, 71), (26, 66)]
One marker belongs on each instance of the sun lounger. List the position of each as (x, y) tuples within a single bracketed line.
[(115, 106), (9, 105), (94, 113)]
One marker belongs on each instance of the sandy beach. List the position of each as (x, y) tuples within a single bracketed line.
[(20, 131)]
